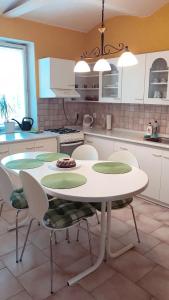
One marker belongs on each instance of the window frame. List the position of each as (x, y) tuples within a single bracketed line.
[(23, 47)]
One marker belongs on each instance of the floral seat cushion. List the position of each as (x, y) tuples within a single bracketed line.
[(66, 213), (18, 199), (115, 204)]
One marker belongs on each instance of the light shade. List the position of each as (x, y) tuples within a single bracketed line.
[(127, 59), (81, 67), (102, 65)]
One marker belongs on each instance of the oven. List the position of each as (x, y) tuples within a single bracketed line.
[(69, 147), (68, 139)]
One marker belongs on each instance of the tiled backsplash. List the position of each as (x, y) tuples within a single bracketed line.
[(128, 116)]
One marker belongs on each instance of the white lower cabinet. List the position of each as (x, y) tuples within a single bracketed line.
[(21, 147), (46, 145), (105, 147), (164, 190)]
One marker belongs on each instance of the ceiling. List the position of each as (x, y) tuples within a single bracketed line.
[(81, 15)]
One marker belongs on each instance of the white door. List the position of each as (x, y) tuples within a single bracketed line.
[(164, 191), (105, 147), (133, 79), (156, 80), (49, 145), (110, 83)]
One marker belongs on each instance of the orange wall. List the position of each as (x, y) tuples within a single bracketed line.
[(49, 40), (146, 34)]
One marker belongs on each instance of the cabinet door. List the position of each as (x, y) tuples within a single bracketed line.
[(104, 146), (156, 81), (4, 151), (46, 145), (150, 161), (62, 74), (21, 147), (164, 191), (110, 83), (133, 79)]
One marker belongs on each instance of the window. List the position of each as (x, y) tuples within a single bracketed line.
[(13, 79)]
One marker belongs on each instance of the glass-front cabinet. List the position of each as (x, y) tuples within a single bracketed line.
[(87, 85), (156, 80), (110, 83)]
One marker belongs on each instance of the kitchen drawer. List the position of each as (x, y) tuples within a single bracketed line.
[(21, 147), (46, 145), (4, 151)]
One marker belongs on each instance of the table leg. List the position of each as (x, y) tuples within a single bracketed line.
[(101, 250), (108, 240)]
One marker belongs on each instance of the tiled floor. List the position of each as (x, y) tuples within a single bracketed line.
[(140, 274)]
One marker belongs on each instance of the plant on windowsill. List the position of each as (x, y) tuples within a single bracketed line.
[(5, 111)]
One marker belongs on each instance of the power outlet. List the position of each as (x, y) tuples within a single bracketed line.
[(94, 115)]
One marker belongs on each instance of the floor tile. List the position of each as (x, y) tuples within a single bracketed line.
[(103, 273), (149, 209), (162, 216), (1, 265), (160, 255), (21, 296), (32, 258), (72, 293), (123, 214), (37, 281), (156, 283), (9, 286), (162, 233), (132, 265), (40, 238), (64, 254), (120, 288), (145, 224), (146, 244), (8, 242), (3, 226)]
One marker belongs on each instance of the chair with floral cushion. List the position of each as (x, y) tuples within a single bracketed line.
[(14, 198), (61, 215)]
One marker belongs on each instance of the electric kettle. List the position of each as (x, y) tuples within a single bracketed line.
[(87, 121)]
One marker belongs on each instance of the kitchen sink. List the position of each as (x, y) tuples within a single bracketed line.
[(163, 140)]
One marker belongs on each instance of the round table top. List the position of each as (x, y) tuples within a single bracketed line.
[(99, 187)]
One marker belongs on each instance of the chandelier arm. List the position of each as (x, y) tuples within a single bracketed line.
[(96, 52), (111, 49)]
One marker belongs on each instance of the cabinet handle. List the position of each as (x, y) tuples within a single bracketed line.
[(157, 155), (166, 157), (139, 99), (39, 147), (123, 148), (30, 148), (4, 152)]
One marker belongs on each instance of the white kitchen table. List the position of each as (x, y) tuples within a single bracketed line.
[(99, 187)]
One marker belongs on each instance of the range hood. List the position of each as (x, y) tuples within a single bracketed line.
[(57, 78), (62, 93)]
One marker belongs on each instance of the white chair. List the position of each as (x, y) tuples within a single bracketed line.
[(128, 158), (14, 198), (85, 152), (124, 156), (59, 215)]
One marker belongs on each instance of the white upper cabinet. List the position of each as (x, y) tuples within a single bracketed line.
[(133, 80), (156, 79), (56, 78), (110, 83)]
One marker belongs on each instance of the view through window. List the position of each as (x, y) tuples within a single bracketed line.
[(13, 80)]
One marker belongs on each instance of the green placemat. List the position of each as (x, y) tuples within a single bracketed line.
[(23, 164), (51, 156), (111, 168), (63, 180)]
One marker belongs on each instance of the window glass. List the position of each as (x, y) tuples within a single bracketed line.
[(13, 80)]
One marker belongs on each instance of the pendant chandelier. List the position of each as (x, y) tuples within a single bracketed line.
[(126, 59)]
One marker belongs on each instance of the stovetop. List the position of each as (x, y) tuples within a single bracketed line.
[(64, 130)]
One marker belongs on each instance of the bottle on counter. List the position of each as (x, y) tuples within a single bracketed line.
[(149, 130), (108, 122), (156, 128)]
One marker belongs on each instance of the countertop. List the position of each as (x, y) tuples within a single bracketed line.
[(19, 136), (124, 135)]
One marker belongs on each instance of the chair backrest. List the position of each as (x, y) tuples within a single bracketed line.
[(35, 195), (85, 152), (124, 156), (6, 186)]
